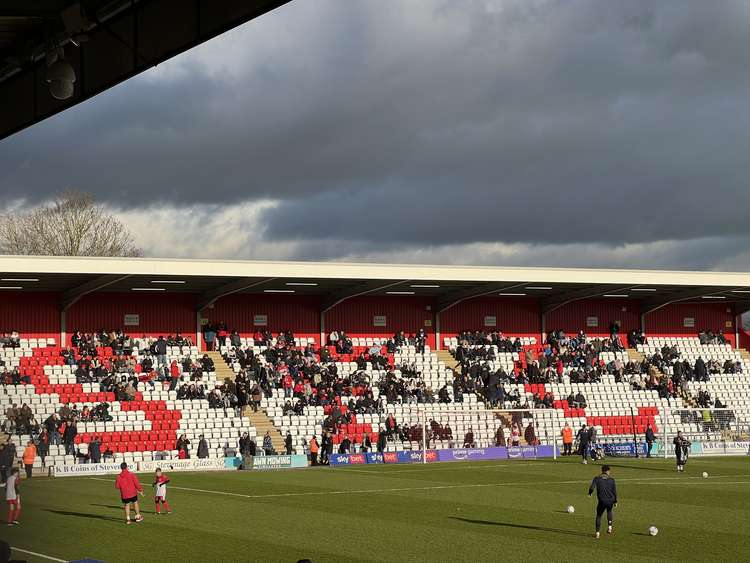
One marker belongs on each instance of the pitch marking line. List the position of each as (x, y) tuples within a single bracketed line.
[(35, 554), (654, 481)]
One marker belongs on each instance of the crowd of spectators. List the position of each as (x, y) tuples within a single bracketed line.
[(578, 356), (217, 336), (10, 339), (494, 338), (11, 375), (711, 337)]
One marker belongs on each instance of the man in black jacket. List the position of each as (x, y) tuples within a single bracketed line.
[(381, 442), (288, 443), (650, 439), (584, 443), (606, 494)]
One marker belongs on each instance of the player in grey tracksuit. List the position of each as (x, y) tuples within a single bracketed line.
[(606, 494)]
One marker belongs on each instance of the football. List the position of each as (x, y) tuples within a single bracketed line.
[(571, 509), (705, 475), (653, 530)]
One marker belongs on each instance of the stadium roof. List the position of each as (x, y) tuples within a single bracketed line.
[(105, 42), (338, 281)]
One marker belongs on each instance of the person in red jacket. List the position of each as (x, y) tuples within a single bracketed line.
[(129, 486)]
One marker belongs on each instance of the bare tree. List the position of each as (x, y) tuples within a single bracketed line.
[(71, 225)]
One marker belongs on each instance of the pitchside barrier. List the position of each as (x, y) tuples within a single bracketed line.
[(207, 464)]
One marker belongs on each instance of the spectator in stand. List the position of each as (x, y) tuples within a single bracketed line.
[(469, 439), (345, 445), (288, 443), (500, 436), (182, 447), (366, 443), (202, 447), (29, 456), (234, 339), (381, 444), (95, 450), (580, 401), (530, 435), (52, 424), (69, 436), (390, 426), (221, 334), (636, 337), (209, 336), (11, 417), (43, 445), (515, 436), (268, 443)]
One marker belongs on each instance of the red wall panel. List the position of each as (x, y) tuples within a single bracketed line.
[(670, 319), (573, 317), (34, 315), (300, 314), (159, 314), (514, 316), (356, 316)]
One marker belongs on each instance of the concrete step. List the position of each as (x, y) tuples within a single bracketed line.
[(635, 356), (223, 371), (450, 362), (263, 423), (447, 358)]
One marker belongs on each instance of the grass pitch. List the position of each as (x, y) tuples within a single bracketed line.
[(478, 511)]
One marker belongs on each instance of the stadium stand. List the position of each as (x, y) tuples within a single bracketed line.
[(142, 396), (135, 413), (351, 395), (597, 382)]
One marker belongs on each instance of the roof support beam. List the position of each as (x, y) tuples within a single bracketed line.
[(331, 300), (455, 297), (652, 305), (71, 296), (553, 303), (210, 297)]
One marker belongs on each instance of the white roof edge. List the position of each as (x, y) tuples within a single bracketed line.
[(346, 270)]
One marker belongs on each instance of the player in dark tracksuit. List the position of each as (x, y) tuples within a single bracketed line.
[(606, 494)]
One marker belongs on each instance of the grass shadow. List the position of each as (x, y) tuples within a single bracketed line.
[(116, 507), (522, 526), (641, 467), (83, 515)]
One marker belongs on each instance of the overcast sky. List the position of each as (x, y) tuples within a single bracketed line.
[(498, 132)]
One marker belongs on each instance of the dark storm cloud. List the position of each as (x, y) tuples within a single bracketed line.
[(432, 123)]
